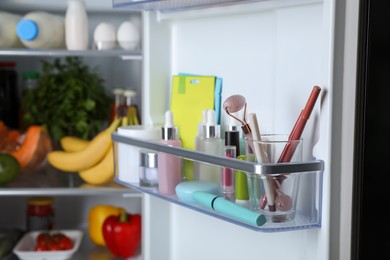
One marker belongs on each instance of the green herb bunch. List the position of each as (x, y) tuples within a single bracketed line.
[(70, 100)]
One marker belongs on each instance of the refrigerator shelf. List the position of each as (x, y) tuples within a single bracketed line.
[(174, 6), (308, 212), (125, 55)]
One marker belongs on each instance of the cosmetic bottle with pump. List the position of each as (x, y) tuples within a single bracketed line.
[(212, 143), (169, 166)]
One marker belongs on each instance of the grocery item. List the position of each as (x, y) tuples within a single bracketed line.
[(122, 234), (8, 37), (76, 26), (32, 148), (8, 239), (128, 36), (9, 168), (87, 157), (40, 213), (9, 94), (102, 172), (41, 30), (30, 84), (105, 36), (73, 143), (96, 216)]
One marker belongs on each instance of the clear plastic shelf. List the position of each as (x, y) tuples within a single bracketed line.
[(308, 210)]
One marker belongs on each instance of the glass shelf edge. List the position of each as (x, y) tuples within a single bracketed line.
[(267, 228), (246, 166), (124, 55)]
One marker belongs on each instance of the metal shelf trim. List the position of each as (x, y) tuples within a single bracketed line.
[(246, 166)]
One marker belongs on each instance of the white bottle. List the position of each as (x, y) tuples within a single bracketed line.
[(76, 26), (41, 30), (211, 143), (8, 37)]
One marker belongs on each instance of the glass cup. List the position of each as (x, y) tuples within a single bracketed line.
[(275, 196)]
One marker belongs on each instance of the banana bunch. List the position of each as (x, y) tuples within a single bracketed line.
[(93, 160)]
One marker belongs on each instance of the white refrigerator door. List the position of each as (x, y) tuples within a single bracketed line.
[(272, 53)]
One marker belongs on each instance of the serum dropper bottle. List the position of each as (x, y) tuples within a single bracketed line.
[(169, 166), (211, 143)]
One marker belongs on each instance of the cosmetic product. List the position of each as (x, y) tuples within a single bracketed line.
[(262, 158), (241, 186), (169, 166), (232, 137), (210, 143), (185, 189), (197, 141), (128, 155), (227, 176), (148, 165), (228, 208)]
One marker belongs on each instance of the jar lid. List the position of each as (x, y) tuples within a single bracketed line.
[(30, 75), (7, 64), (40, 201), (148, 159)]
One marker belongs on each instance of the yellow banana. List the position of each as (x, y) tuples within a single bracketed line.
[(73, 143), (87, 157), (101, 172)]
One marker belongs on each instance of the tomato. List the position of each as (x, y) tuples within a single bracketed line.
[(53, 242), (40, 247), (42, 238), (65, 243)]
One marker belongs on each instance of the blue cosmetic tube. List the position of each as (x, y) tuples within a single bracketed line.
[(229, 208)]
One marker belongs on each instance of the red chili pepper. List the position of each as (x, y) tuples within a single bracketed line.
[(122, 234)]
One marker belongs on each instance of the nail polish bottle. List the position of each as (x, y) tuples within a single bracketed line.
[(169, 166)]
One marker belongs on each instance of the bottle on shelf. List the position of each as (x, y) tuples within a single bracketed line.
[(169, 166), (9, 94), (131, 108), (41, 30), (118, 105), (76, 26), (212, 143), (29, 85), (8, 37), (201, 125)]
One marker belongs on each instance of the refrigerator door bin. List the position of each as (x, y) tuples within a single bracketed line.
[(309, 197)]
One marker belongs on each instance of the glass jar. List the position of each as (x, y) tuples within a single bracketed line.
[(40, 213)]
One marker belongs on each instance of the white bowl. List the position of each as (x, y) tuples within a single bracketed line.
[(24, 249)]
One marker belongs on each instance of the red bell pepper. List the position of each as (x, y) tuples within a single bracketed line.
[(122, 234)]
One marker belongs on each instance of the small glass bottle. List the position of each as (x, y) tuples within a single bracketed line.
[(169, 166), (9, 96), (40, 213), (131, 108), (30, 84), (213, 144), (148, 167), (117, 106)]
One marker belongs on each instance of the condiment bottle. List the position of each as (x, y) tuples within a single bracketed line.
[(40, 213), (131, 109), (9, 96)]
